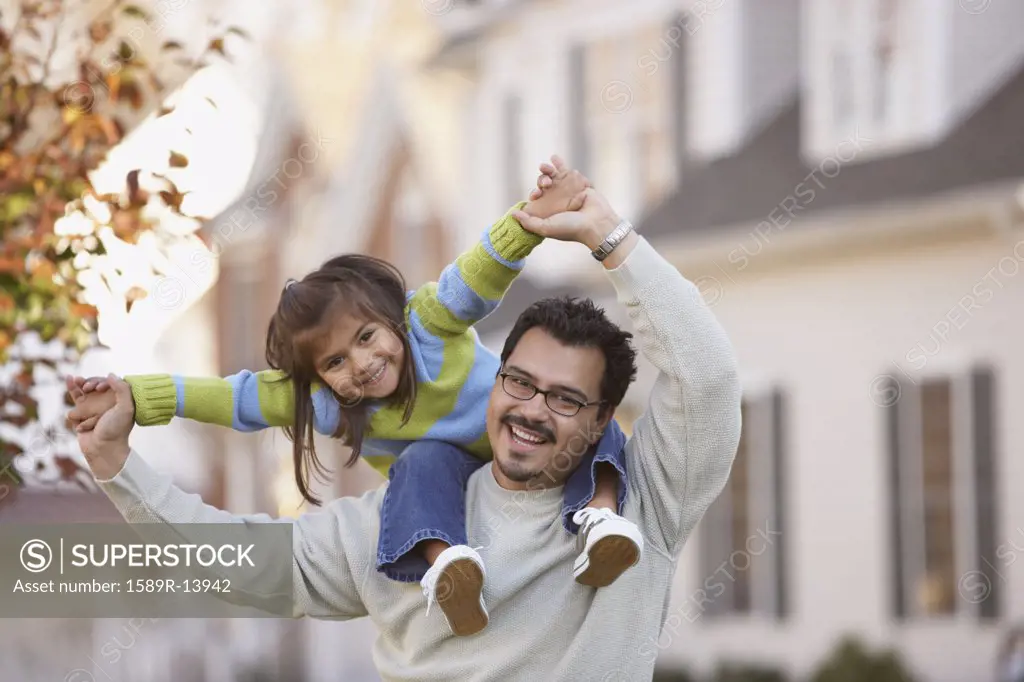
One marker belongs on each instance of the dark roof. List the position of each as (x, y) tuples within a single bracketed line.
[(747, 186)]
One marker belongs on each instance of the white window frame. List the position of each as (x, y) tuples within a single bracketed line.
[(912, 118)]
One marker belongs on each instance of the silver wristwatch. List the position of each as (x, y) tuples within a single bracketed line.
[(612, 240)]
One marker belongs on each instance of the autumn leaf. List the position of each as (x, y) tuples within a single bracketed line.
[(100, 30), (173, 200), (132, 295), (44, 268), (132, 93), (114, 85), (78, 116), (12, 265), (83, 310), (125, 51), (125, 225), (133, 185), (135, 12)]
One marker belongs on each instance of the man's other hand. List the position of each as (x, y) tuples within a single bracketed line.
[(104, 439)]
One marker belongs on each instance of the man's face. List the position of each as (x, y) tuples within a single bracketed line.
[(534, 446)]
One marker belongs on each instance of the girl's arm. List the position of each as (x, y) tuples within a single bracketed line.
[(471, 288), (247, 401)]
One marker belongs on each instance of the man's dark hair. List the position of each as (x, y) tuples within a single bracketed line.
[(580, 323)]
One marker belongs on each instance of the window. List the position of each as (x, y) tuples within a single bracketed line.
[(242, 329), (512, 116), (742, 537), (653, 145), (873, 53), (842, 77), (884, 46), (622, 92), (941, 496), (579, 142), (410, 224), (679, 109)]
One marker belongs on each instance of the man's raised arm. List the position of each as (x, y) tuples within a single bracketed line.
[(330, 552), (683, 445)]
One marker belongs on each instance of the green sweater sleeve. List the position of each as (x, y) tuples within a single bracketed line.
[(471, 288), (247, 401)]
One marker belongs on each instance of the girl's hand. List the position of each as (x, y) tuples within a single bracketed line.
[(558, 189), (589, 225), (105, 444), (92, 398)]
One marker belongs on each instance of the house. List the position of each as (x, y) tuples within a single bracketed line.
[(840, 179)]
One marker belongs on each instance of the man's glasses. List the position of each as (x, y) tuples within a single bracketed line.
[(521, 389)]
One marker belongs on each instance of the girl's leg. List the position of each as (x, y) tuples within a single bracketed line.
[(424, 509), (423, 531), (594, 496), (606, 492)]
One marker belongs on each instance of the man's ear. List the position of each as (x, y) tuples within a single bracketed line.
[(605, 416)]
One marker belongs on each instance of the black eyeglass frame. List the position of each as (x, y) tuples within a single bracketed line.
[(580, 405)]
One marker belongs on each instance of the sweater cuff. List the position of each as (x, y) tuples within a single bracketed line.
[(129, 489), (156, 398), (642, 266), (511, 240)]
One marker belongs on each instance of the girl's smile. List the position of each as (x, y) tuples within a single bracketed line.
[(359, 358)]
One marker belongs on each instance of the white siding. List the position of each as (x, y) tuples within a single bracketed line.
[(825, 332)]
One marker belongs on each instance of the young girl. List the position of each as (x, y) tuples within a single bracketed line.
[(358, 357)]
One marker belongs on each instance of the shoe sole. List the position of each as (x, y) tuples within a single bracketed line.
[(461, 604), (608, 559)]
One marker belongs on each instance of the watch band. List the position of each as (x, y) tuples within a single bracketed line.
[(605, 248)]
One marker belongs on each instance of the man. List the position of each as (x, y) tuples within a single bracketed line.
[(542, 625)]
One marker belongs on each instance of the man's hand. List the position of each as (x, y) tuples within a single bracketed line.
[(90, 402), (589, 225), (559, 189), (105, 445)]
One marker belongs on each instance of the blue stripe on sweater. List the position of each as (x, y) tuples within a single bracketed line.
[(246, 414), (427, 350), (179, 391), (457, 296), (326, 414), (486, 241), (468, 421)]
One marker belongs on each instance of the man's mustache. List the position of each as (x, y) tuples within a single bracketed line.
[(516, 420)]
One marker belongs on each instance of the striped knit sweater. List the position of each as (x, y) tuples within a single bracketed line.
[(454, 371)]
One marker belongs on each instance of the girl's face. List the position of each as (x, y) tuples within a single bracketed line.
[(360, 358)]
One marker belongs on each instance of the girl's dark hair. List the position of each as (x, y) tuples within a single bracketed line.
[(351, 284)]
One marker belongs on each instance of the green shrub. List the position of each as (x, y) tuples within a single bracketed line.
[(850, 661), (672, 675), (733, 672)]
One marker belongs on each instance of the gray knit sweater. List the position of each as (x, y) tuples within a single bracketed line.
[(543, 626)]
